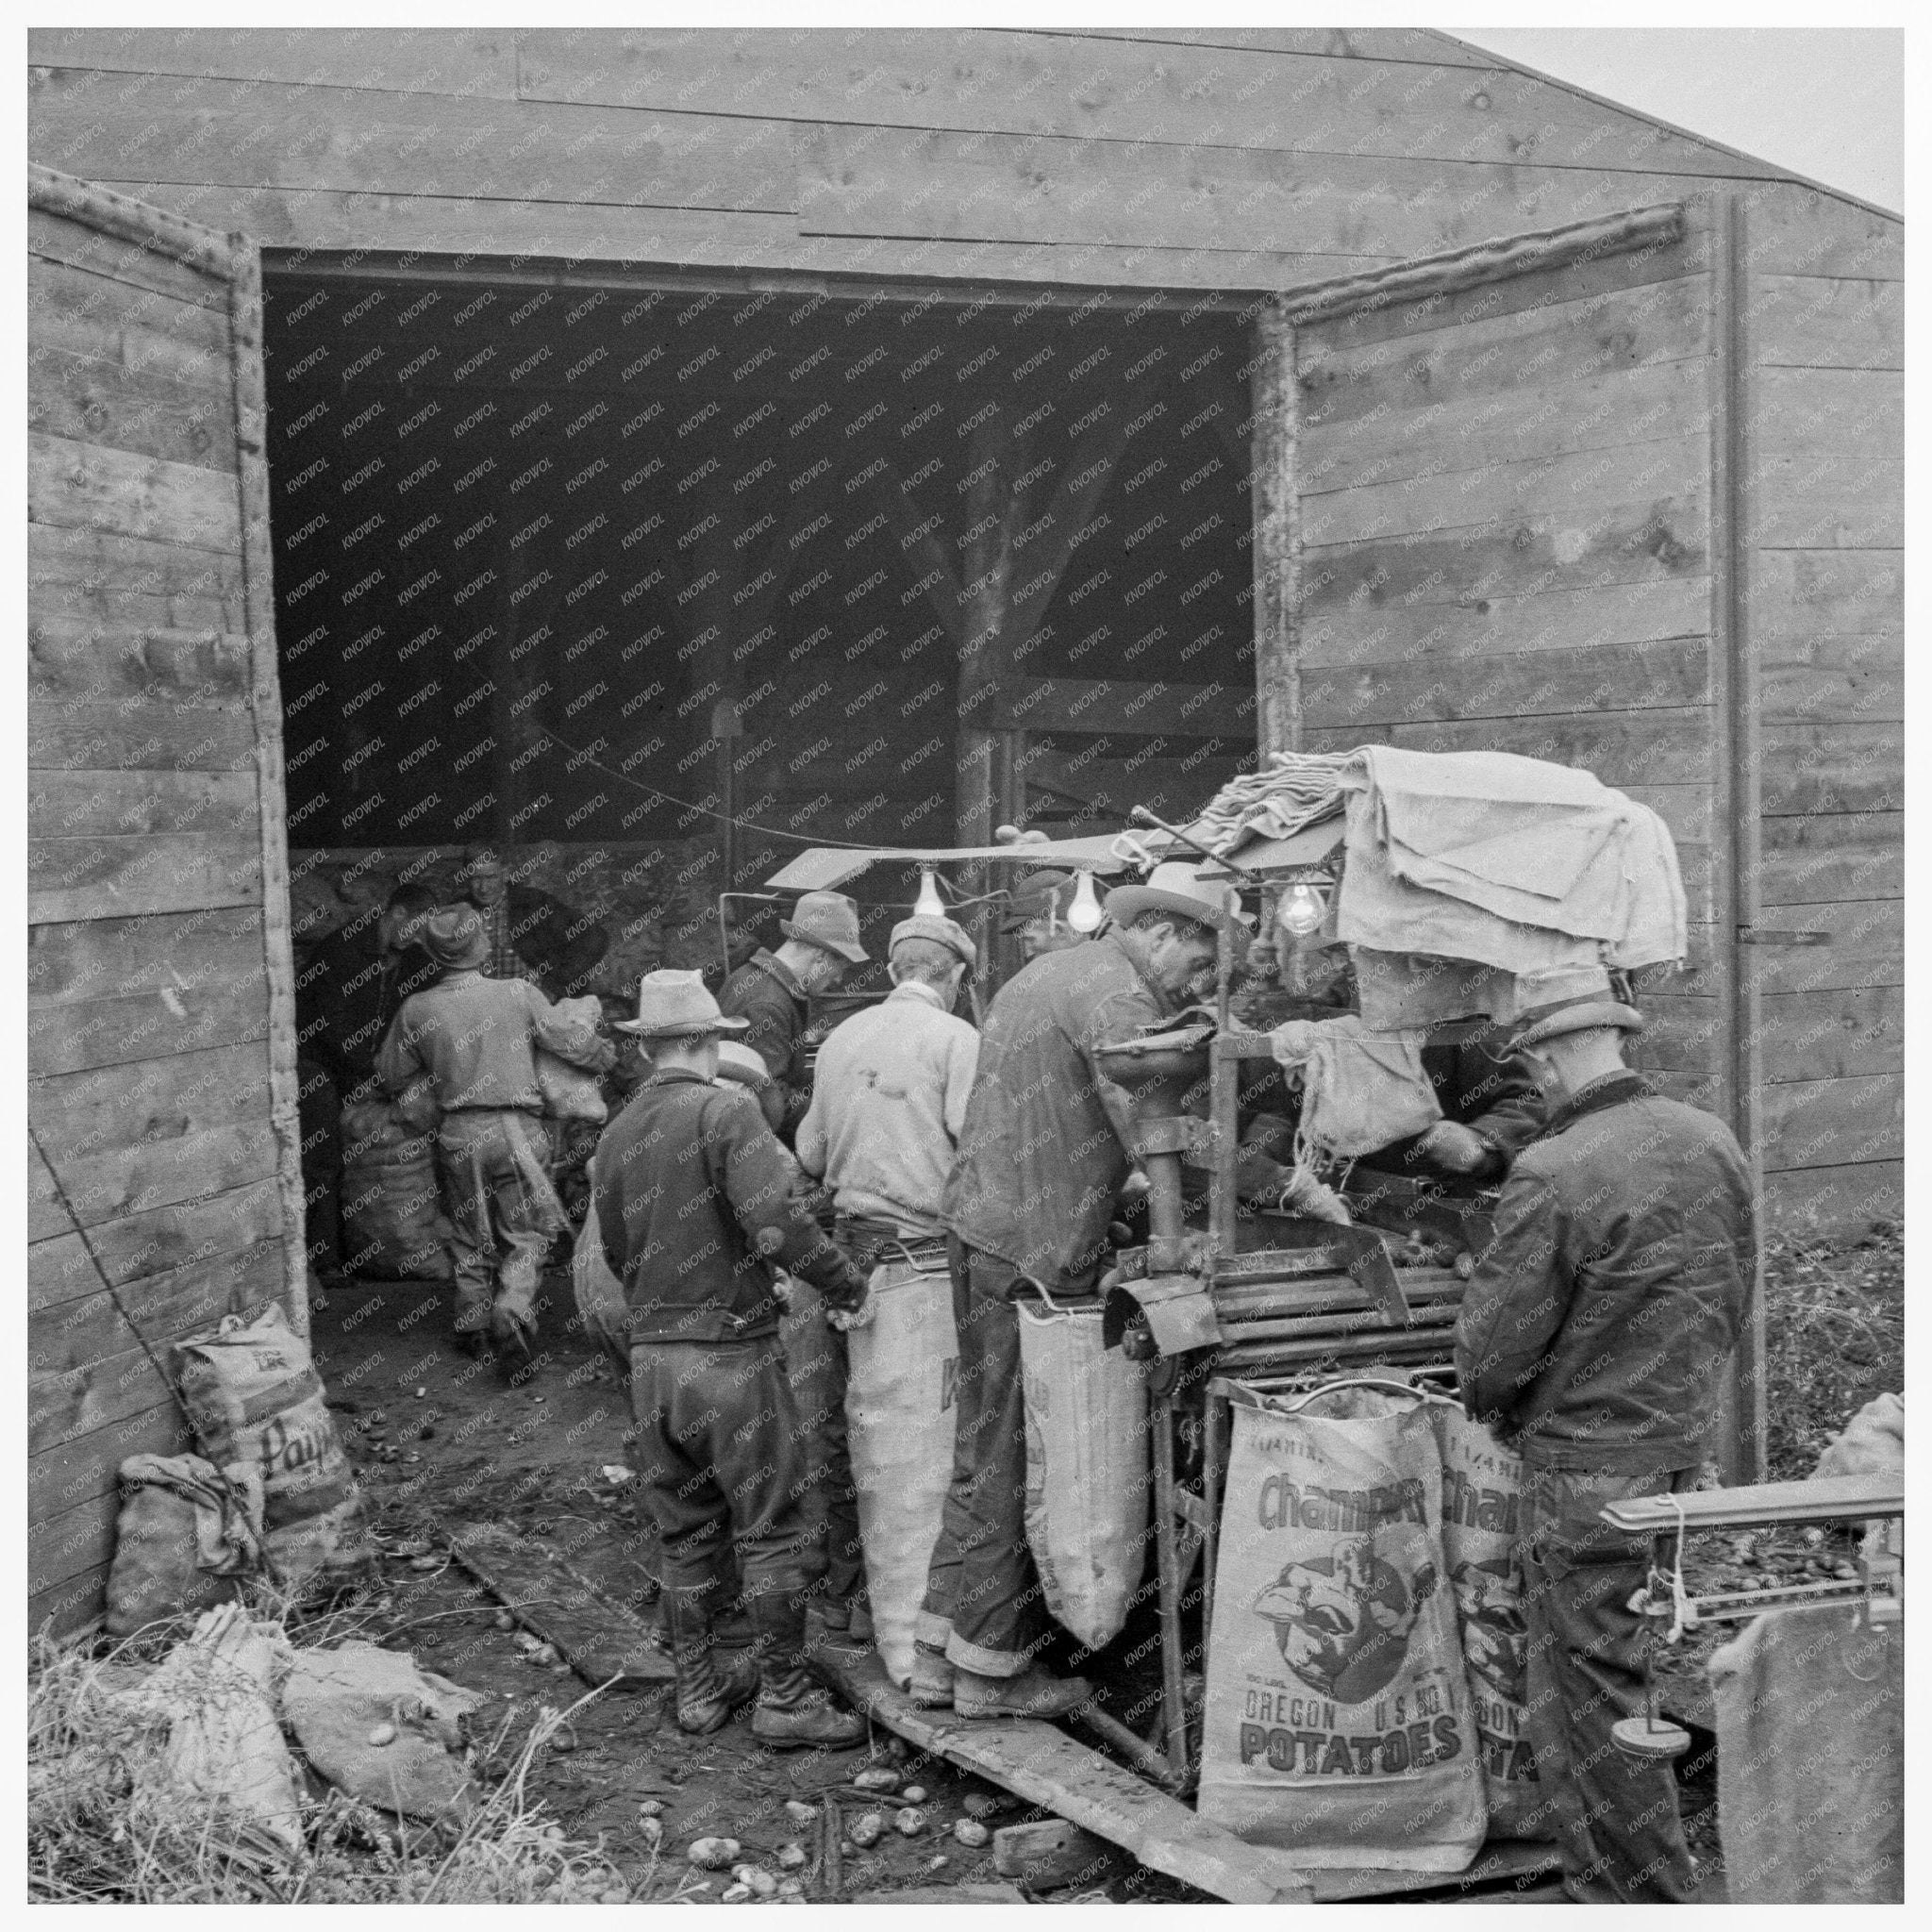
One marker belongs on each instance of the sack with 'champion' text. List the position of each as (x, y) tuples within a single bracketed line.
[(1338, 1727), (1482, 1505), (252, 1392)]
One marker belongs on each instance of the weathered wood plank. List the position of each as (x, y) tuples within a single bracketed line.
[(90, 486), (100, 560), (76, 308), (153, 737), (87, 1468), (129, 1181), (1793, 230), (1867, 948), (1046, 1767), (105, 958), (1807, 593), (1608, 412), (83, 1358), (126, 805), (1487, 625), (153, 1243), (70, 659), (1837, 498), (1808, 321), (1420, 44), (1819, 858), (1835, 1199), (1541, 552), (1001, 188), (1833, 768), (110, 879), (420, 60), (1575, 487), (1828, 679), (1804, 1036), (364, 141), (1671, 673), (77, 1115), (99, 399), (1551, 346), (111, 1032), (1082, 86), (1800, 408), (1832, 1122), (57, 238)]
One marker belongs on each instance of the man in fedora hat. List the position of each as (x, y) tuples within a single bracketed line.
[(692, 1192), (771, 991), (466, 1045), (1045, 1152), (887, 1109), (1595, 1334)]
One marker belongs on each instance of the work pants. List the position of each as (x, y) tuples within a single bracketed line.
[(1621, 1837), (503, 1211), (816, 1356), (982, 1593), (720, 1463)]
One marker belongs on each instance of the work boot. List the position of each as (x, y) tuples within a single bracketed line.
[(932, 1678), (1035, 1692), (792, 1709), (707, 1692)]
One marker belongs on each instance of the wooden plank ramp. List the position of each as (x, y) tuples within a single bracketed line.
[(1044, 1766)]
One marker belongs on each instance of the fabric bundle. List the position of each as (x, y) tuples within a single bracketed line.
[(1360, 1090), (1533, 868), (1303, 789)]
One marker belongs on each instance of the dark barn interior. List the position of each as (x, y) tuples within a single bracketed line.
[(581, 568)]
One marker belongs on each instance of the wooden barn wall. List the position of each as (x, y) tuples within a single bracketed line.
[(1504, 538), (1821, 584), (153, 964)]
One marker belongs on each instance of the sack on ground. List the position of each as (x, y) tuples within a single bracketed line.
[(568, 1092), (899, 1415), (252, 1392), (393, 1227), (186, 1534), (1482, 1504), (1087, 1481), (1338, 1727)]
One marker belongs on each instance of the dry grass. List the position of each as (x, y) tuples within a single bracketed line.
[(1835, 1312), (95, 1836)]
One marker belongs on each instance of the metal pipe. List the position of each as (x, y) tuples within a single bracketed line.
[(1141, 816)]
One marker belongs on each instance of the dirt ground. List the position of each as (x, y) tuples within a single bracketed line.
[(438, 1442)]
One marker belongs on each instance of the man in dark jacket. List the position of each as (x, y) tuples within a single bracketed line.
[(692, 1192), (532, 936), (770, 991), (1595, 1334)]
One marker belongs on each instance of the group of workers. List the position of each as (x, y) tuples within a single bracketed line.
[(1593, 1337)]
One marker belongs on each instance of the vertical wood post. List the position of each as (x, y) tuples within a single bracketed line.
[(1736, 829), (1275, 408)]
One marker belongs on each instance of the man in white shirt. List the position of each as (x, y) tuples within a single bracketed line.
[(889, 1100)]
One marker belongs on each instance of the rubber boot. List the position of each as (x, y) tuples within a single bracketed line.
[(794, 1709), (707, 1692)]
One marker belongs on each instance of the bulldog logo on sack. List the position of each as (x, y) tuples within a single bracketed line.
[(1343, 1623), (1492, 1624)]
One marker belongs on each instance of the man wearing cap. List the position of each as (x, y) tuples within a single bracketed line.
[(467, 1044), (770, 990), (692, 1192), (887, 1110), (1035, 915), (1595, 1334), (1043, 1154)]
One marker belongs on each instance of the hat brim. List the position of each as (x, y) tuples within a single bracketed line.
[(1125, 903), (1584, 1017), (702, 1029), (852, 953), (467, 960)]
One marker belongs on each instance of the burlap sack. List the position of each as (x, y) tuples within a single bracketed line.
[(254, 1397), (393, 1227), (1338, 1727), (184, 1539), (568, 1092)]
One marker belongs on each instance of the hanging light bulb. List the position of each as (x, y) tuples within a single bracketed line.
[(929, 905), (1301, 912), (1083, 915)]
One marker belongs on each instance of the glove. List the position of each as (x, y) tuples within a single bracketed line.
[(846, 1320), (1306, 1196)]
